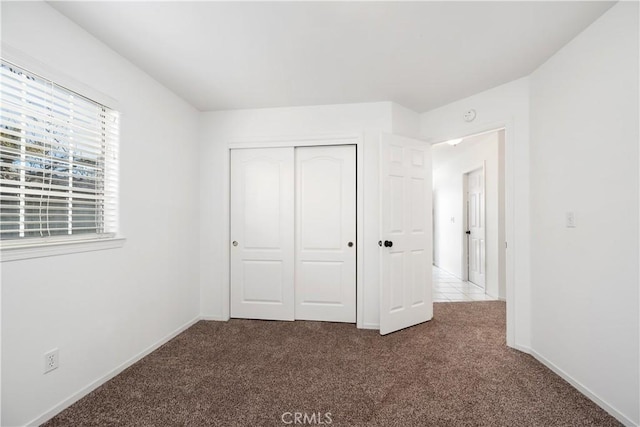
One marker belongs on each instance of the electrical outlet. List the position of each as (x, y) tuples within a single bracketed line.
[(51, 360)]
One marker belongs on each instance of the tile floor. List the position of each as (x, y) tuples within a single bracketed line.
[(448, 288)]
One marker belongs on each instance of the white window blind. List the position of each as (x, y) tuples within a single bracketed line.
[(58, 161)]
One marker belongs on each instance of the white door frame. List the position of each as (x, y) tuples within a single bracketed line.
[(465, 218), (341, 139), (509, 211)]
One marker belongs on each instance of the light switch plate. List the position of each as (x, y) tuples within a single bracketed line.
[(570, 220)]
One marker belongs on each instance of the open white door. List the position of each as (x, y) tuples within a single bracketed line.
[(475, 227), (406, 232), (262, 242)]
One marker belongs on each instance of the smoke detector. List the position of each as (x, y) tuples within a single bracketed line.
[(470, 115)]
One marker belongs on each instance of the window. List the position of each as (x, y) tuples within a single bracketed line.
[(58, 162)]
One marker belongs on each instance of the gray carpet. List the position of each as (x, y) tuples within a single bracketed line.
[(453, 371)]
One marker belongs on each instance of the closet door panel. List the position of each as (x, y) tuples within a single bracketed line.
[(262, 233), (325, 285)]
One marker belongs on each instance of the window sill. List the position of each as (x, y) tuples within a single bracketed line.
[(40, 250)]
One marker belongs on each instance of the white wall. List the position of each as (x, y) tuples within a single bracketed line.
[(502, 237), (450, 163), (103, 308), (219, 129), (583, 304), (404, 122), (504, 106), (584, 158)]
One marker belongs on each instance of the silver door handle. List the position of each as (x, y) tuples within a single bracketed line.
[(234, 243)]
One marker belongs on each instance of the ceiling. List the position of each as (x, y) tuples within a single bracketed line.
[(232, 55)]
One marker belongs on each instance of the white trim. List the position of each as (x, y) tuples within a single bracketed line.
[(583, 389), (225, 292), (59, 247), (46, 416), (284, 144), (35, 66), (19, 249), (214, 318), (360, 246), (510, 229), (474, 134), (508, 124), (522, 348), (373, 326), (293, 141)]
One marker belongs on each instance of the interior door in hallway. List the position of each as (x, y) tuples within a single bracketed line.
[(262, 233), (325, 271), (406, 233), (476, 226)]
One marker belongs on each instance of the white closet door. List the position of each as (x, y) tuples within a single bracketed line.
[(326, 233), (262, 227)]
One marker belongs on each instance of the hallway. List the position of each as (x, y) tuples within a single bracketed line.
[(448, 288)]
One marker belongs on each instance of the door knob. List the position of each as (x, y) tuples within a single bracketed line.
[(388, 243), (468, 231), (234, 243), (350, 244)]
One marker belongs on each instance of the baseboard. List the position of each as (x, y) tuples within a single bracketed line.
[(215, 317), (584, 390), (375, 326), (100, 381), (521, 348)]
